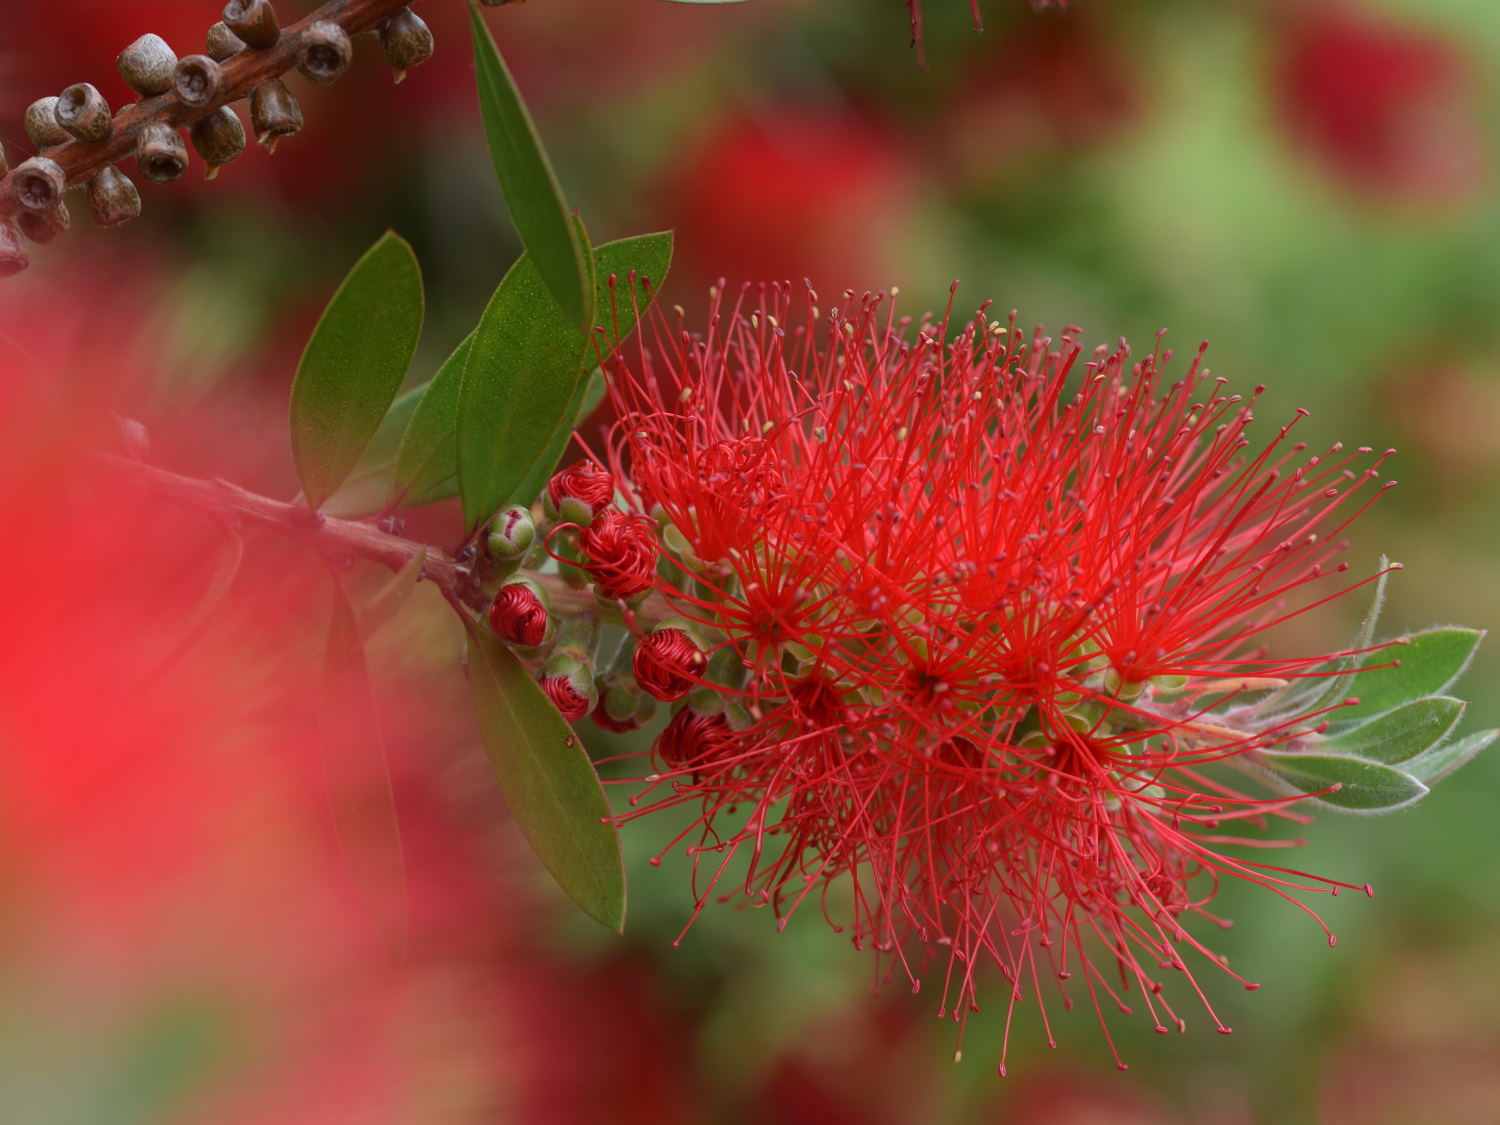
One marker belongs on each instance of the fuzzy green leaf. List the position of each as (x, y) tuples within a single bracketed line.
[(518, 380), (639, 266), (1363, 786), (1439, 762), (1400, 734), (548, 781), (427, 456), (1429, 662), (531, 190), (354, 364)]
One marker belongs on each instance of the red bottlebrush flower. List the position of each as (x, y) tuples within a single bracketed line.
[(668, 663), (621, 553), (996, 602), (589, 488), (518, 614), (1390, 111)]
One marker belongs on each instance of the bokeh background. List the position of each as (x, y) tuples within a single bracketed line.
[(1310, 186)]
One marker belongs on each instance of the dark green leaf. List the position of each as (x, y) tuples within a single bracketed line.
[(639, 266), (428, 455), (354, 364), (1400, 734), (1363, 786), (520, 375), (369, 483), (364, 815), (1439, 762), (1429, 662), (531, 190), (548, 781)]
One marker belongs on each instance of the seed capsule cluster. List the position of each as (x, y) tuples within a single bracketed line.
[(80, 139)]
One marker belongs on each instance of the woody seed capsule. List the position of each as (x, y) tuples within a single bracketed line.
[(38, 183), (113, 199), (147, 64), (42, 126), (274, 113), (219, 138), (46, 226), (196, 81), (160, 153), (13, 255), (326, 52), (406, 40), (222, 43), (254, 21), (84, 113)]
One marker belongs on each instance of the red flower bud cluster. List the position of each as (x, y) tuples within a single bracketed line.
[(985, 589)]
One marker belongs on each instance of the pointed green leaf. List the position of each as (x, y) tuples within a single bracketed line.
[(428, 456), (548, 781), (1439, 762), (1363, 786), (530, 187), (354, 364), (639, 266), (518, 379), (1400, 734), (1428, 662), (369, 483)]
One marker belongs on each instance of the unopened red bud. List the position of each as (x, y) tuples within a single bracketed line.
[(147, 65), (160, 153), (42, 125), (222, 44), (13, 254), (47, 226), (621, 553), (406, 40), (274, 113), (38, 183), (617, 710), (578, 493), (219, 138), (693, 740), (569, 683), (668, 663), (325, 53), (519, 614), (84, 113), (196, 81), (254, 21), (113, 199), (511, 535)]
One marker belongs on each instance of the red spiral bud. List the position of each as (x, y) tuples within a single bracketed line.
[(621, 551), (668, 664), (693, 741), (518, 615), (572, 703), (589, 488)]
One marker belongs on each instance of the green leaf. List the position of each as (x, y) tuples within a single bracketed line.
[(1441, 761), (354, 364), (548, 781), (639, 266), (364, 815), (1400, 734), (520, 375), (1429, 662), (530, 187), (1363, 786), (428, 455), (369, 484)]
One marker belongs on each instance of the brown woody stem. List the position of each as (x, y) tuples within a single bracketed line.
[(242, 73)]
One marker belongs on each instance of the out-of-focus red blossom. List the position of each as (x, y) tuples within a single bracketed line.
[(914, 12), (1390, 111), (797, 190), (172, 876), (978, 584), (1041, 84)]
